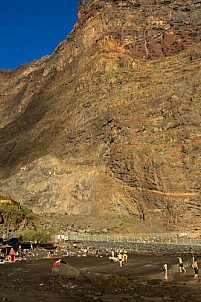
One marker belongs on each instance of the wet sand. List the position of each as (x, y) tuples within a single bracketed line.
[(32, 280)]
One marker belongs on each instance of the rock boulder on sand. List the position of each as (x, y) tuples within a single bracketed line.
[(67, 270), (71, 272)]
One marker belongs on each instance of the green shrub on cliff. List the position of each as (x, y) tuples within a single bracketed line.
[(14, 214)]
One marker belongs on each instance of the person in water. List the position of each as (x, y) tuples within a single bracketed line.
[(195, 267), (165, 268), (181, 266)]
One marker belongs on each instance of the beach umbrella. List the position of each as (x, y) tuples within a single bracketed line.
[(6, 246)]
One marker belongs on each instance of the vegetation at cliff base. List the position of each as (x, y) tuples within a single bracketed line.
[(38, 236)]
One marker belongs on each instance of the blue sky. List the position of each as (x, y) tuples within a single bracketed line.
[(32, 29)]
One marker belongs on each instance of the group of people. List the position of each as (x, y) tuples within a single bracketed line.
[(194, 266), (182, 269), (122, 257), (80, 250), (12, 255)]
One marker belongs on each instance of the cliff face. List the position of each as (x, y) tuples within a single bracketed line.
[(110, 122)]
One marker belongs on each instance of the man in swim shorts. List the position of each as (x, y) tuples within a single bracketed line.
[(181, 266), (195, 267)]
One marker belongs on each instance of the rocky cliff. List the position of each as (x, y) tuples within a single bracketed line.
[(110, 122)]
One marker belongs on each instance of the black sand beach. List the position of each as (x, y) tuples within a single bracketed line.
[(32, 280)]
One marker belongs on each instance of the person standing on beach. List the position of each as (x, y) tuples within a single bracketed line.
[(181, 266), (120, 258), (125, 257), (195, 267), (12, 255), (165, 268)]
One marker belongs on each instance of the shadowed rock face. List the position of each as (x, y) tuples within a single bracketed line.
[(110, 122)]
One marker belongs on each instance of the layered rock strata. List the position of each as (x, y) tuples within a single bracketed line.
[(110, 122)]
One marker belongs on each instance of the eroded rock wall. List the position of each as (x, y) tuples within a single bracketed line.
[(110, 122)]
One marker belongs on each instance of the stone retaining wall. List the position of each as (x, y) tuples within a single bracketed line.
[(140, 248)]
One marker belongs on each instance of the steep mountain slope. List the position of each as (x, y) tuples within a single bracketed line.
[(110, 122)]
